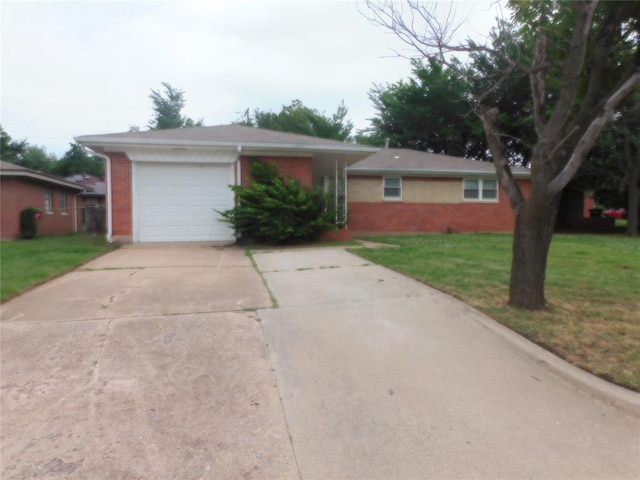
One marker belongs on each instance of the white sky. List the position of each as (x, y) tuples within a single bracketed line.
[(75, 68)]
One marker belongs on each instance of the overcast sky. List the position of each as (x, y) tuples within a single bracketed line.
[(75, 68)]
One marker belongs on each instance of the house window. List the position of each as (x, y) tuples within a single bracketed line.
[(392, 188), (48, 200), (63, 202), (478, 189)]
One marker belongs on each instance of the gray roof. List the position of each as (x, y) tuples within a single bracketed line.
[(220, 136), (413, 162), (11, 170)]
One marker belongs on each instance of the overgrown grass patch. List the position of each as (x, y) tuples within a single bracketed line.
[(27, 263), (593, 290)]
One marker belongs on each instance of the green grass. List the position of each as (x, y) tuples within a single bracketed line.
[(593, 290), (27, 263)]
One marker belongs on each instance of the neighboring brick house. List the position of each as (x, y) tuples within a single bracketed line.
[(21, 188), (397, 190)]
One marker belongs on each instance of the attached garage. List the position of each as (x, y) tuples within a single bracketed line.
[(166, 185), (177, 202)]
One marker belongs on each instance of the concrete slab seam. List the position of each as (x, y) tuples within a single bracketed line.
[(281, 402)]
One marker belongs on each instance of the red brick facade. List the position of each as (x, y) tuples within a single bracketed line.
[(289, 167), (374, 217), (18, 194), (122, 214)]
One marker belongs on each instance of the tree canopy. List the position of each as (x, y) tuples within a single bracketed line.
[(298, 118), (167, 110), (580, 60)]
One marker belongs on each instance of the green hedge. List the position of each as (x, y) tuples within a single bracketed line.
[(29, 222)]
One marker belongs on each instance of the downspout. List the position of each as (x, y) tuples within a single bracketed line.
[(107, 174), (75, 211)]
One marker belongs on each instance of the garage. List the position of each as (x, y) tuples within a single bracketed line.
[(177, 202)]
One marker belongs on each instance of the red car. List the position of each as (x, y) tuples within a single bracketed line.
[(612, 213)]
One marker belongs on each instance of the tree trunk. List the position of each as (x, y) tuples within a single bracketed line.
[(534, 226)]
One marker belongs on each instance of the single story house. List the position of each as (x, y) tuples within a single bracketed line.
[(399, 190), (166, 185), (22, 187)]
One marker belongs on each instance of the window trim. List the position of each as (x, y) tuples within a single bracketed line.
[(384, 187), (481, 190), (48, 200)]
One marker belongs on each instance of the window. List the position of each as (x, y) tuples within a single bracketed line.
[(478, 189), (392, 188), (63, 203), (48, 200)]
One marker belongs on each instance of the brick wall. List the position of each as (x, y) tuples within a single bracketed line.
[(381, 216), (122, 195), (289, 167), (18, 194)]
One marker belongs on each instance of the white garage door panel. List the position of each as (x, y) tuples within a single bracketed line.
[(178, 202)]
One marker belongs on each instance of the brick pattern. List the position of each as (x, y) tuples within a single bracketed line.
[(289, 167), (121, 189), (374, 217), (18, 194)]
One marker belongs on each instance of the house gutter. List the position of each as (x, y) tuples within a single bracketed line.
[(107, 174)]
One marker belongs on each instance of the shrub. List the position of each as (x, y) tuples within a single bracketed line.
[(29, 222), (277, 211)]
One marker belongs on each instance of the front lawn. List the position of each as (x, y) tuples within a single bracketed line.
[(26, 263), (593, 290)]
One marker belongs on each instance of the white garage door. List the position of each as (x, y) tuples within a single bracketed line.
[(178, 202)]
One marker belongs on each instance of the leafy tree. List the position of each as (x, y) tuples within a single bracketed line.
[(11, 150), (37, 158), (297, 118), (428, 112), (584, 61), (167, 107), (613, 166), (275, 210), (76, 161)]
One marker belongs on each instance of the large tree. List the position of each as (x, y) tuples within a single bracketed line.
[(76, 161), (430, 111), (167, 110), (584, 63), (298, 118), (11, 150)]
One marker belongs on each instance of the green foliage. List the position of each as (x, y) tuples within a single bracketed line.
[(428, 112), (277, 211), (27, 264), (297, 118), (37, 158), (11, 150), (76, 160), (167, 107), (29, 223)]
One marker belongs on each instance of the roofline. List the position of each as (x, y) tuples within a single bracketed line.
[(90, 141), (42, 177), (428, 173)]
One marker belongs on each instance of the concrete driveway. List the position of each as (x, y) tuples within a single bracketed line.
[(382, 377), (151, 362), (147, 363)]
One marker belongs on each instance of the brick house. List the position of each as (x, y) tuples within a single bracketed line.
[(21, 188), (166, 185), (398, 190)]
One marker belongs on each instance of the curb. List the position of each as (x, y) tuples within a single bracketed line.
[(610, 393)]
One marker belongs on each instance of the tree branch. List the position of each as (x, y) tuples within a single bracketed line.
[(591, 134), (489, 118)]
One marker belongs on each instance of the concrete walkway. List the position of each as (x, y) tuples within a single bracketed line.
[(382, 377)]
